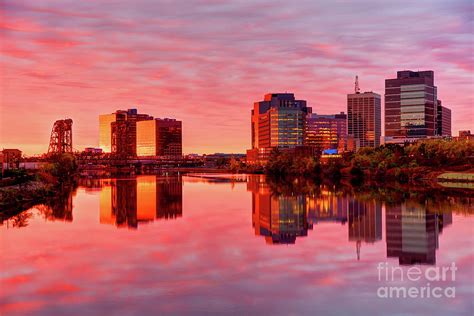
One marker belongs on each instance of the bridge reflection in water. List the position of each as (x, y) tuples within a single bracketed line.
[(128, 202)]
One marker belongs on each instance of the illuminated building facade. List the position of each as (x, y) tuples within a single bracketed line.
[(364, 118), (105, 131), (411, 105), (326, 132), (277, 122), (159, 137), (118, 132), (443, 120)]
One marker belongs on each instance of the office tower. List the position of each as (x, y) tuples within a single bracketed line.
[(410, 105), (105, 131), (443, 121), (117, 131), (277, 122), (159, 137), (326, 132), (364, 119)]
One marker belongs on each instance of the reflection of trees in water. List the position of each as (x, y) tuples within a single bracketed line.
[(19, 220), (58, 207), (439, 199)]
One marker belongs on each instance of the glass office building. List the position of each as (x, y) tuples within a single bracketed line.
[(159, 137), (277, 122), (325, 132), (117, 132), (364, 118), (411, 105)]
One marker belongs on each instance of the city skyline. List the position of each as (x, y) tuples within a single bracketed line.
[(206, 63)]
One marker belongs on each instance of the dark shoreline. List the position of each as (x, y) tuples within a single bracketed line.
[(18, 198), (14, 199)]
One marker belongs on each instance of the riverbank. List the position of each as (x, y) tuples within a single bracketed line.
[(15, 198), (55, 178)]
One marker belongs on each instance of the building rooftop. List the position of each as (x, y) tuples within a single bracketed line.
[(281, 96)]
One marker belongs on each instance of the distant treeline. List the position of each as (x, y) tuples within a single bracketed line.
[(406, 163)]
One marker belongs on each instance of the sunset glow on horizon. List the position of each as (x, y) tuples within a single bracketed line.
[(205, 62)]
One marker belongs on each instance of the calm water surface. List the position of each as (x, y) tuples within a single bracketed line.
[(182, 245)]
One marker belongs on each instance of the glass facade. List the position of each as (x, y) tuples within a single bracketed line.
[(117, 132), (146, 138), (443, 120), (105, 132), (168, 138), (410, 105), (364, 118), (159, 137), (278, 121), (326, 131), (286, 127)]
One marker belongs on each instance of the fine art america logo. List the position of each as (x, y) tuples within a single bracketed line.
[(415, 282)]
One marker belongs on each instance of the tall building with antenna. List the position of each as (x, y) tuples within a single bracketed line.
[(364, 116)]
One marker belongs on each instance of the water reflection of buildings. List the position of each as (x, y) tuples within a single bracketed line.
[(365, 222), (59, 208), (413, 230), (280, 219), (127, 202), (364, 216), (329, 206)]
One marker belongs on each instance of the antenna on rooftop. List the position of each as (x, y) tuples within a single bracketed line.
[(356, 88)]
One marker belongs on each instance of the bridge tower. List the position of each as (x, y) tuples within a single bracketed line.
[(61, 137)]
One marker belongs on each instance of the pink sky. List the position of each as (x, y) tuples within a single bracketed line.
[(206, 61)]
